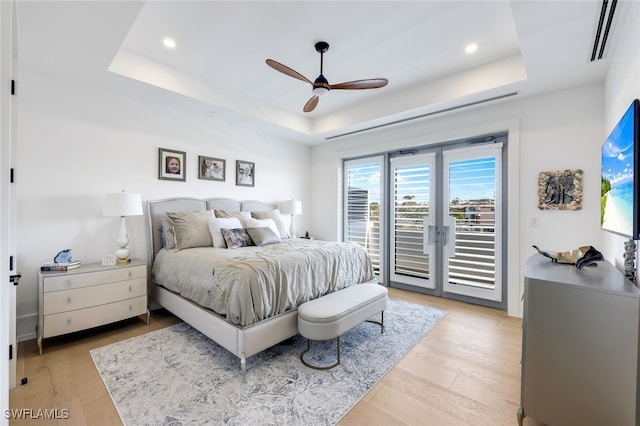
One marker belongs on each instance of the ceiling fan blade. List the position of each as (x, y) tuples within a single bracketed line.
[(373, 83), (311, 104), (286, 70)]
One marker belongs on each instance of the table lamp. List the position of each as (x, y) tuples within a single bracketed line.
[(292, 207), (122, 204)]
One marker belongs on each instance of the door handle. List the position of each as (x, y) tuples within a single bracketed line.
[(449, 236), (15, 279)]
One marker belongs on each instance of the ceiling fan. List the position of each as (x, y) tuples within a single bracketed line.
[(321, 86)]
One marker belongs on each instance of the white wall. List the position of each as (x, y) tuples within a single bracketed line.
[(622, 86), (77, 142), (557, 131)]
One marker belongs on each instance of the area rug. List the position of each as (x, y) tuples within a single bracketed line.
[(178, 376)]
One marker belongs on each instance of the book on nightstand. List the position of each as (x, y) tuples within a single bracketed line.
[(53, 266)]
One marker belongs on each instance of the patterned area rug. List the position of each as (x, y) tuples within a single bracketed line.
[(177, 376)]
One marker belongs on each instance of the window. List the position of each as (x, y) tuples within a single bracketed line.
[(363, 216)]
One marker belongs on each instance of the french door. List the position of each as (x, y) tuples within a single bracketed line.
[(445, 221)]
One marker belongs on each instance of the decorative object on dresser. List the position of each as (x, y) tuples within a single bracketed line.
[(63, 261), (89, 296), (123, 204), (580, 353), (172, 165), (245, 173), (202, 385), (210, 168), (292, 207)]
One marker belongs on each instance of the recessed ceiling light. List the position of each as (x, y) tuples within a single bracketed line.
[(169, 43), (472, 47)]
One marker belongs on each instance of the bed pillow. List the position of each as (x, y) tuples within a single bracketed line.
[(236, 238), (191, 228), (261, 223), (226, 213), (167, 234), (216, 225), (276, 217), (263, 236)]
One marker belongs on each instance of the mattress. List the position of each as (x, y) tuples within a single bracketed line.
[(249, 284)]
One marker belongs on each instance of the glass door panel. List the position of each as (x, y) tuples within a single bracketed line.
[(412, 220), (471, 190)]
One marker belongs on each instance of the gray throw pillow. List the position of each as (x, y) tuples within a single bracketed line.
[(168, 235), (191, 229), (263, 236)]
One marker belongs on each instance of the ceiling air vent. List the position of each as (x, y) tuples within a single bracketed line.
[(604, 26)]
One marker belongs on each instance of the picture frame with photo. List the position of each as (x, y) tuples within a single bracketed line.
[(245, 173), (172, 165), (210, 168)]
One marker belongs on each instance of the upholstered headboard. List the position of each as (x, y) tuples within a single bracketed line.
[(157, 212)]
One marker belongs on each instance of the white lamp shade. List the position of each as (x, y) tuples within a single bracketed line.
[(122, 204), (291, 207)]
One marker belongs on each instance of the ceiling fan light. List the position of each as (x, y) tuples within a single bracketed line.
[(320, 91)]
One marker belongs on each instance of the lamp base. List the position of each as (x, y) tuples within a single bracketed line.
[(123, 261)]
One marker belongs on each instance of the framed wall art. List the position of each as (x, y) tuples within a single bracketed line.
[(245, 173), (560, 190), (210, 168), (172, 165)]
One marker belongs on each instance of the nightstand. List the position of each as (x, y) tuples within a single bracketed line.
[(89, 296)]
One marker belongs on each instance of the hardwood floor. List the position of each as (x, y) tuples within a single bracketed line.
[(466, 371)]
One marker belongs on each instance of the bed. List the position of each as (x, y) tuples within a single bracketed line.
[(244, 298)]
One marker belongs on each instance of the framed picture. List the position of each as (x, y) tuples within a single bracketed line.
[(560, 190), (172, 165), (210, 168), (245, 173)]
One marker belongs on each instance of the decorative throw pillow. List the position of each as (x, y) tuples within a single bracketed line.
[(263, 236), (226, 213), (236, 238), (167, 234), (216, 226), (261, 223), (191, 228), (276, 217)]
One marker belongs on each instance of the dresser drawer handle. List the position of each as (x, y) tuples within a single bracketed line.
[(130, 308), (130, 289), (130, 274), (68, 322), (69, 299), (69, 283)]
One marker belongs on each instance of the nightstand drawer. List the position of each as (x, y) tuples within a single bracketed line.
[(88, 279), (68, 322), (84, 297)]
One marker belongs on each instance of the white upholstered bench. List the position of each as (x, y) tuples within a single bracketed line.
[(329, 316)]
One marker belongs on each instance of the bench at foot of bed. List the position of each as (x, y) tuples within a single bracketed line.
[(332, 315)]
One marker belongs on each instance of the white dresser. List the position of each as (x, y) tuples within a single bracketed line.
[(89, 296)]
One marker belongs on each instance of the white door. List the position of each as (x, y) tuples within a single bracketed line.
[(471, 193), (445, 224), (413, 230), (7, 205)]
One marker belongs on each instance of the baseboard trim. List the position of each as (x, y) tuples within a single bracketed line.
[(26, 327)]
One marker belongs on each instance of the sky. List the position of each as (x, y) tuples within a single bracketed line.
[(469, 180)]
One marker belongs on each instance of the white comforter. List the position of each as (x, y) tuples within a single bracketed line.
[(250, 284)]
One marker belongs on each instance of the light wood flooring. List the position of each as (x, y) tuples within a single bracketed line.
[(466, 371)]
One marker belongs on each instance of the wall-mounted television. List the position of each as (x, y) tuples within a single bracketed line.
[(620, 180)]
